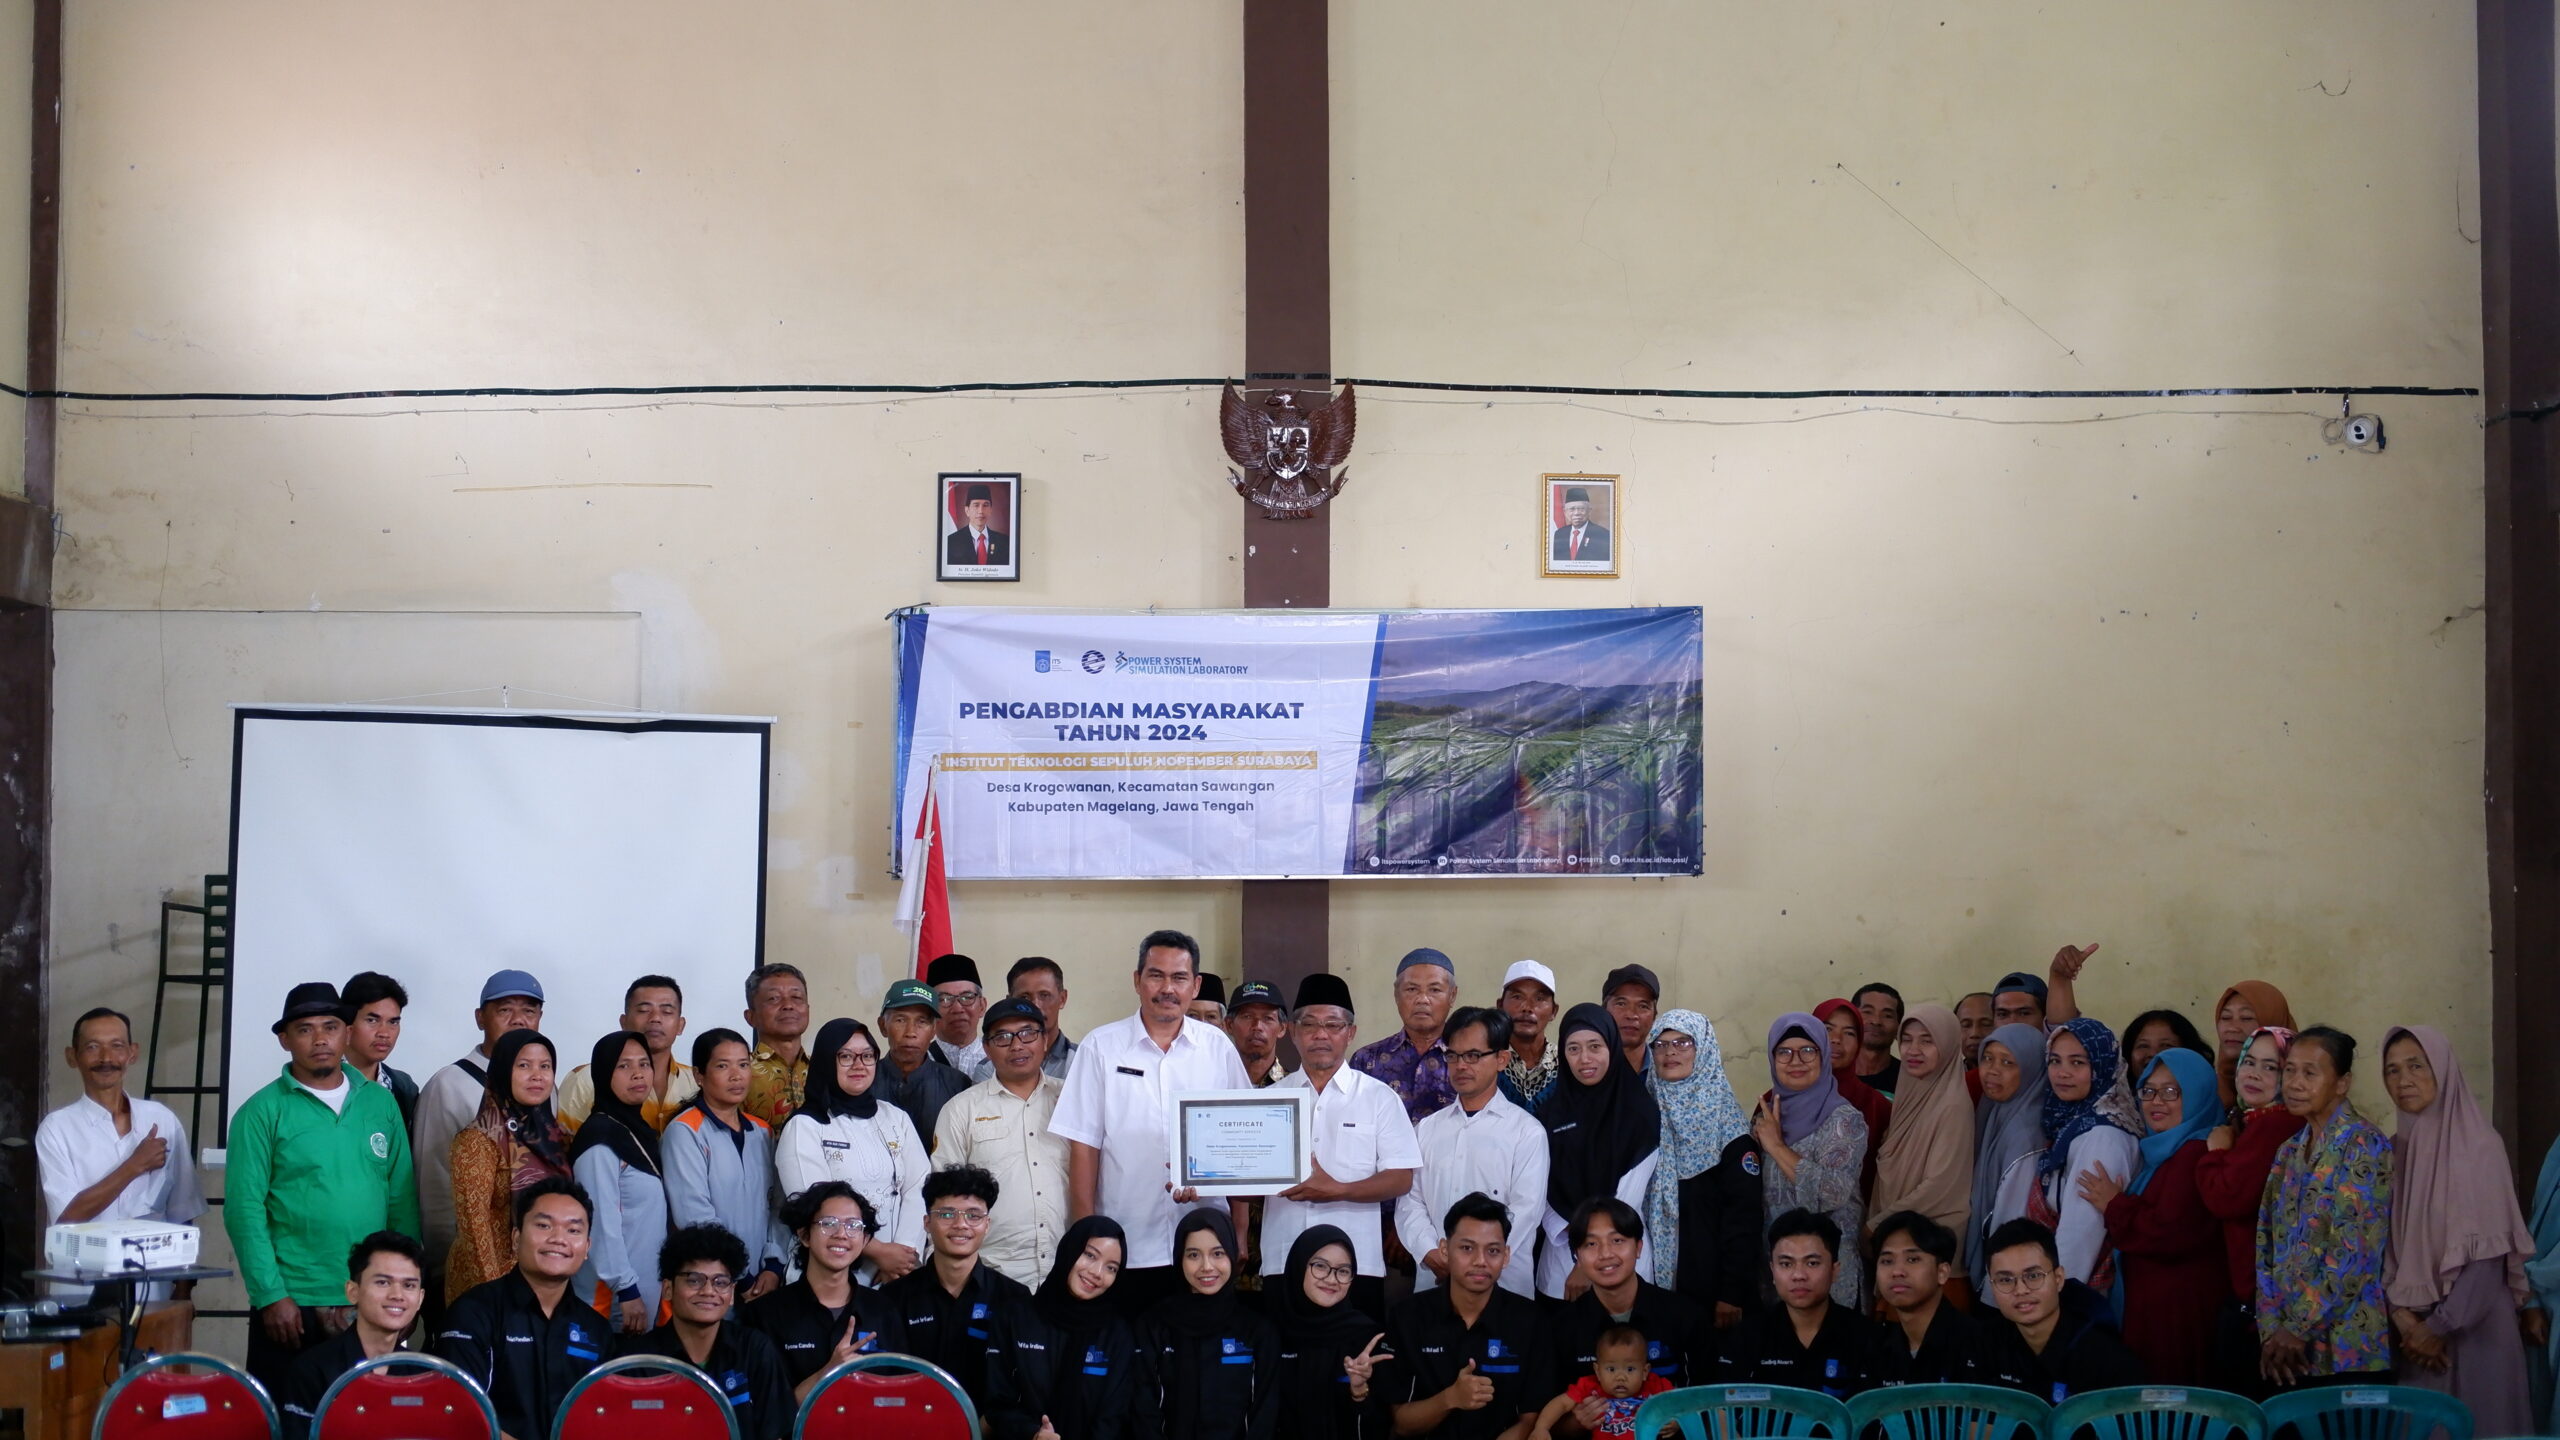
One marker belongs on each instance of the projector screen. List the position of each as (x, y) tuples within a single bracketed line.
[(438, 846)]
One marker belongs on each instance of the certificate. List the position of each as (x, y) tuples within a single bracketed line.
[(1243, 1142)]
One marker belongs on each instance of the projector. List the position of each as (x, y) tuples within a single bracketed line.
[(105, 1247)]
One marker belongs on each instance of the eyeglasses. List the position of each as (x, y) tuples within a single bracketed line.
[(958, 999), (2004, 1283), (1674, 1040), (1472, 1057), (842, 1225), (1016, 1036), (1799, 1054), (2149, 1093), (698, 1281), (969, 1218), (855, 1059), (1322, 1271)]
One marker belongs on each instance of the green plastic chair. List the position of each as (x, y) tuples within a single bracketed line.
[(2158, 1412), (1949, 1412), (2369, 1412), (1743, 1412)]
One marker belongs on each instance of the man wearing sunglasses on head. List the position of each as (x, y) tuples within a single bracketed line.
[(1001, 1125), (942, 1308), (698, 1270)]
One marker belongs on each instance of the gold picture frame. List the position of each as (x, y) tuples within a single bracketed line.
[(1567, 551)]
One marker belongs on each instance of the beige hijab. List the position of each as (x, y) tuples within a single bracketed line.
[(1927, 1160), (2453, 1198)]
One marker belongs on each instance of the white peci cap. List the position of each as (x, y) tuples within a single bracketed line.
[(1529, 970)]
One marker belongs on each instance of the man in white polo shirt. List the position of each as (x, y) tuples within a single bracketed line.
[(1365, 1150), (1479, 1143), (1117, 1102), (109, 1155)]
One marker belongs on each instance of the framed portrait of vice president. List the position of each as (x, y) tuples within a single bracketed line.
[(978, 519), (1579, 531)]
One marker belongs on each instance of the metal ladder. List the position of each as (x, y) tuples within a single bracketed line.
[(212, 977)]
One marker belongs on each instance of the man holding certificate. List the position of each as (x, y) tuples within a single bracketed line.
[(1365, 1153)]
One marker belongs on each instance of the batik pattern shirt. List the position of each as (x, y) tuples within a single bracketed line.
[(2321, 1232), (775, 1086), (1420, 1077)]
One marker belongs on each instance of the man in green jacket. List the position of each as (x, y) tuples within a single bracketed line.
[(318, 1160)]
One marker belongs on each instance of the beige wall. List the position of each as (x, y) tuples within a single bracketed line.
[(1985, 676)]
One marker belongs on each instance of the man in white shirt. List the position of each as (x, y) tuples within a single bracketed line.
[(1001, 1125), (1480, 1142), (113, 1156), (1365, 1150), (509, 1000), (1117, 1101)]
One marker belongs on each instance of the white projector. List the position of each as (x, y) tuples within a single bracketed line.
[(101, 1247)]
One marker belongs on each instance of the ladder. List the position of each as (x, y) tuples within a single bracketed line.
[(212, 979)]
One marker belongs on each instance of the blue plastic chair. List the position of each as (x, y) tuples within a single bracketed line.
[(2369, 1412), (1743, 1412), (1949, 1412), (2158, 1412)]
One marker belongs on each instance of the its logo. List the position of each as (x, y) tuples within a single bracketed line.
[(1751, 1162), (381, 1146), (1040, 661), (1093, 662)]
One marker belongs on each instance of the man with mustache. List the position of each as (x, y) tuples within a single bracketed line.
[(113, 1156)]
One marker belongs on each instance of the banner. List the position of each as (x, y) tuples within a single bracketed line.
[(1274, 744)]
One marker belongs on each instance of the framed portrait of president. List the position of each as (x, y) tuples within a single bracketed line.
[(979, 520), (1579, 534)]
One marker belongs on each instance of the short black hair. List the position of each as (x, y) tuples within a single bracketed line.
[(553, 1185), (2340, 1045), (1934, 1239), (1801, 1221), (801, 1210), (712, 1039), (2179, 1026), (762, 973), (371, 987), (1497, 1026), (2022, 1231), (1477, 1205), (1617, 1335), (1876, 987), (100, 1012), (385, 1242), (972, 1181), (663, 982), (686, 1244), (1030, 964), (1168, 940), (1622, 1217)]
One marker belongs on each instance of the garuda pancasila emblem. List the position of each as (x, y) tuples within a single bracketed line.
[(1279, 446)]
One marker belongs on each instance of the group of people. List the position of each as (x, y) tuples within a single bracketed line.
[(1523, 1218)]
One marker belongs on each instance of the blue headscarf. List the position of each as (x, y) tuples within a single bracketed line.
[(2543, 1270), (2201, 1095), (2068, 1120)]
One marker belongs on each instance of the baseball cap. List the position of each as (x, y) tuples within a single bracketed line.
[(1530, 970), (1630, 975), (2021, 980), (317, 997), (905, 993), (507, 984), (1256, 992), (1013, 1009)]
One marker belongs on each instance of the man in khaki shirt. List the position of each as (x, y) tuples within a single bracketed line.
[(653, 1007), (1003, 1125)]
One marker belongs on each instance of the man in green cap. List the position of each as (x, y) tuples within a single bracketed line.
[(910, 1077)]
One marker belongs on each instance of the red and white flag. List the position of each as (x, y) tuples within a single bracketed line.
[(924, 897)]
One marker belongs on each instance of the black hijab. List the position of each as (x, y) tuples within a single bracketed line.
[(611, 1121), (824, 1099), (1056, 1299), (1305, 1324), (1191, 1313), (1595, 1133)]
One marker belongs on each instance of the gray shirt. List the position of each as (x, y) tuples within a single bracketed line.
[(922, 1094)]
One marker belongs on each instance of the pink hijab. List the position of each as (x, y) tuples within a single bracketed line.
[(2453, 1196)]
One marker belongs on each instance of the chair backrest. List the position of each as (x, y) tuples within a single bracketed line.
[(2158, 1412), (185, 1397), (873, 1395), (1950, 1412), (406, 1396), (1743, 1412), (2369, 1412), (645, 1397)]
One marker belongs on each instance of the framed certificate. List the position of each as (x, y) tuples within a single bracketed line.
[(1243, 1142)]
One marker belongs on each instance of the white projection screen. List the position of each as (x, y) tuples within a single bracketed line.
[(439, 845)]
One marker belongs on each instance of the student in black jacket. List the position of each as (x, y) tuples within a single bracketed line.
[(522, 1336), (1473, 1360), (1806, 1341), (944, 1310), (1607, 1236), (2054, 1337), (1928, 1341), (1722, 1257), (387, 1286), (826, 1315), (698, 1274), (1063, 1361), (1333, 1369), (1211, 1365)]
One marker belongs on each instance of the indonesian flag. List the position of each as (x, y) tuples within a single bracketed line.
[(924, 897)]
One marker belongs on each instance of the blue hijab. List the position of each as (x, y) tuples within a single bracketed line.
[(2201, 1095), (2542, 1272), (2068, 1120)]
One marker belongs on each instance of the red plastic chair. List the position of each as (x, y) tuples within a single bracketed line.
[(407, 1396), (186, 1397), (645, 1397), (875, 1397)]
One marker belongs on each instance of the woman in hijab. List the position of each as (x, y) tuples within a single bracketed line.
[(616, 1157), (842, 1132), (2008, 1128), (1699, 1118), (1330, 1385), (2080, 1135), (514, 1141), (1210, 1365), (1812, 1143), (2232, 1180), (2242, 1012), (1603, 1130), (1926, 1164), (2175, 1274), (2543, 1273), (1063, 1363), (2455, 1269), (1844, 1025)]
